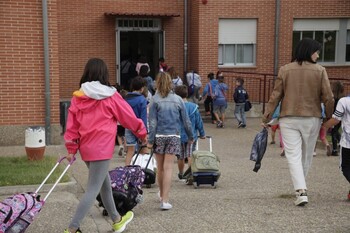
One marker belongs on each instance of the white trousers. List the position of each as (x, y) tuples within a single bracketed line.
[(299, 136)]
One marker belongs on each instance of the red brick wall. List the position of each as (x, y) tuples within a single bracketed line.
[(85, 32), (204, 34), (22, 86)]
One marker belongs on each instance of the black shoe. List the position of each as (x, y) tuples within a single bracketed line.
[(334, 153), (240, 124), (180, 175), (243, 126)]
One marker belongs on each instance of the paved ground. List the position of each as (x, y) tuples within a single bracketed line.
[(244, 201)]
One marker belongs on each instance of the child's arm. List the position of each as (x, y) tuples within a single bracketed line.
[(71, 136), (144, 112), (152, 120), (205, 90), (199, 124), (186, 121), (331, 122)]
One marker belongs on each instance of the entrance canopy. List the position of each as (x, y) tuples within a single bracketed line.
[(141, 15)]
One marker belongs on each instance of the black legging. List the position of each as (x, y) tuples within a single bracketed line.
[(208, 105), (335, 136), (345, 163)]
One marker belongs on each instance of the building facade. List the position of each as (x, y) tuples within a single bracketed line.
[(254, 36)]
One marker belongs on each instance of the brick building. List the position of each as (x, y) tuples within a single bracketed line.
[(230, 35)]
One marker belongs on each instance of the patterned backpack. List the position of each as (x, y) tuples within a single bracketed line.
[(18, 211), (123, 177)]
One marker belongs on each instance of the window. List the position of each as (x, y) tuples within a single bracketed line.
[(327, 39), (138, 24), (332, 34), (237, 42)]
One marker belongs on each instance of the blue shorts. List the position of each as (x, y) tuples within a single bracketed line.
[(130, 138)]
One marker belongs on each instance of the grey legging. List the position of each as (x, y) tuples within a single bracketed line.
[(99, 182)]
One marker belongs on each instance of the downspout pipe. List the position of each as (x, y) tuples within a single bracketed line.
[(277, 27), (185, 35), (47, 74)]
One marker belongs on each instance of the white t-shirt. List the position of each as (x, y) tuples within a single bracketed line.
[(342, 113), (193, 78)]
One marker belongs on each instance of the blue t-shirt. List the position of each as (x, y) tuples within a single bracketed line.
[(220, 94)]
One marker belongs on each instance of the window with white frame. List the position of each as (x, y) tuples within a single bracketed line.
[(237, 42), (330, 33)]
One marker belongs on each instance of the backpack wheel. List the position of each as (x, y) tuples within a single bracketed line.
[(104, 212)]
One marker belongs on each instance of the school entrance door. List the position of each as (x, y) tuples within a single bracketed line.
[(136, 37)]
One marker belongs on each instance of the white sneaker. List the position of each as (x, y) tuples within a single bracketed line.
[(301, 199), (166, 206)]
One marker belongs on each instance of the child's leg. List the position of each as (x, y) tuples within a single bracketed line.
[(181, 160), (345, 162), (237, 113), (98, 173), (160, 171), (129, 153), (273, 134), (131, 141), (206, 104), (243, 116)]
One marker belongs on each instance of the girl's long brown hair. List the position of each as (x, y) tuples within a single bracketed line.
[(163, 84), (338, 89)]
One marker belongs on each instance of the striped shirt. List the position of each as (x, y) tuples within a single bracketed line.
[(342, 113)]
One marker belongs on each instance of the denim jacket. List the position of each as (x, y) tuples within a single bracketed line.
[(166, 115)]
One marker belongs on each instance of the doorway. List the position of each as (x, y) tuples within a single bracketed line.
[(132, 45)]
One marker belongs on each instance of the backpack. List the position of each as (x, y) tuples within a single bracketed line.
[(191, 87), (18, 211), (204, 161), (124, 177)]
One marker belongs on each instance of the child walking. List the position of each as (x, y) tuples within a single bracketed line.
[(197, 127), (240, 96), (91, 128), (220, 101), (342, 114), (138, 103), (208, 93), (166, 114)]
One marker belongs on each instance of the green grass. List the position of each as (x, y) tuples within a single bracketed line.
[(21, 171)]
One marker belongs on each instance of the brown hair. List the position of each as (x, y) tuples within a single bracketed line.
[(181, 91), (172, 72), (163, 84), (338, 89)]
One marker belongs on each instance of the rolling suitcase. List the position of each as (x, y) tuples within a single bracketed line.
[(205, 167), (148, 165), (18, 211)]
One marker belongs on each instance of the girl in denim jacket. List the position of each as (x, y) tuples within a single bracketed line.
[(166, 114)]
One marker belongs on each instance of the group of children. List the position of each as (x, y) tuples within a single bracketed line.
[(215, 93)]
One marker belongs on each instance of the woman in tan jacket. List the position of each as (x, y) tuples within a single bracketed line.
[(301, 86)]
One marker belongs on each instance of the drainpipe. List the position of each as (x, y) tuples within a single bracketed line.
[(185, 35), (47, 74), (277, 26)]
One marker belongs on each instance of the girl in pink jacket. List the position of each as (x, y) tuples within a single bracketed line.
[(91, 128)]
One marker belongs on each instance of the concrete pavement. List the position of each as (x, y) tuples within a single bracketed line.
[(244, 201)]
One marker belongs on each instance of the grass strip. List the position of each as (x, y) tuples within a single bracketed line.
[(21, 171)]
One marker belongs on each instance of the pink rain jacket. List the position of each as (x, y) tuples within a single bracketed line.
[(92, 121)]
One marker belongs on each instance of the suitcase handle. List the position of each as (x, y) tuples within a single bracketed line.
[(138, 153), (210, 143), (59, 178)]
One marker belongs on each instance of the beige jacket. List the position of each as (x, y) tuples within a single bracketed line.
[(302, 89)]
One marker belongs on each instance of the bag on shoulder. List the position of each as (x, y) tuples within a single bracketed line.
[(247, 106)]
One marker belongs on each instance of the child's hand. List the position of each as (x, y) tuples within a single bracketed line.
[(144, 140), (149, 146), (70, 157)]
